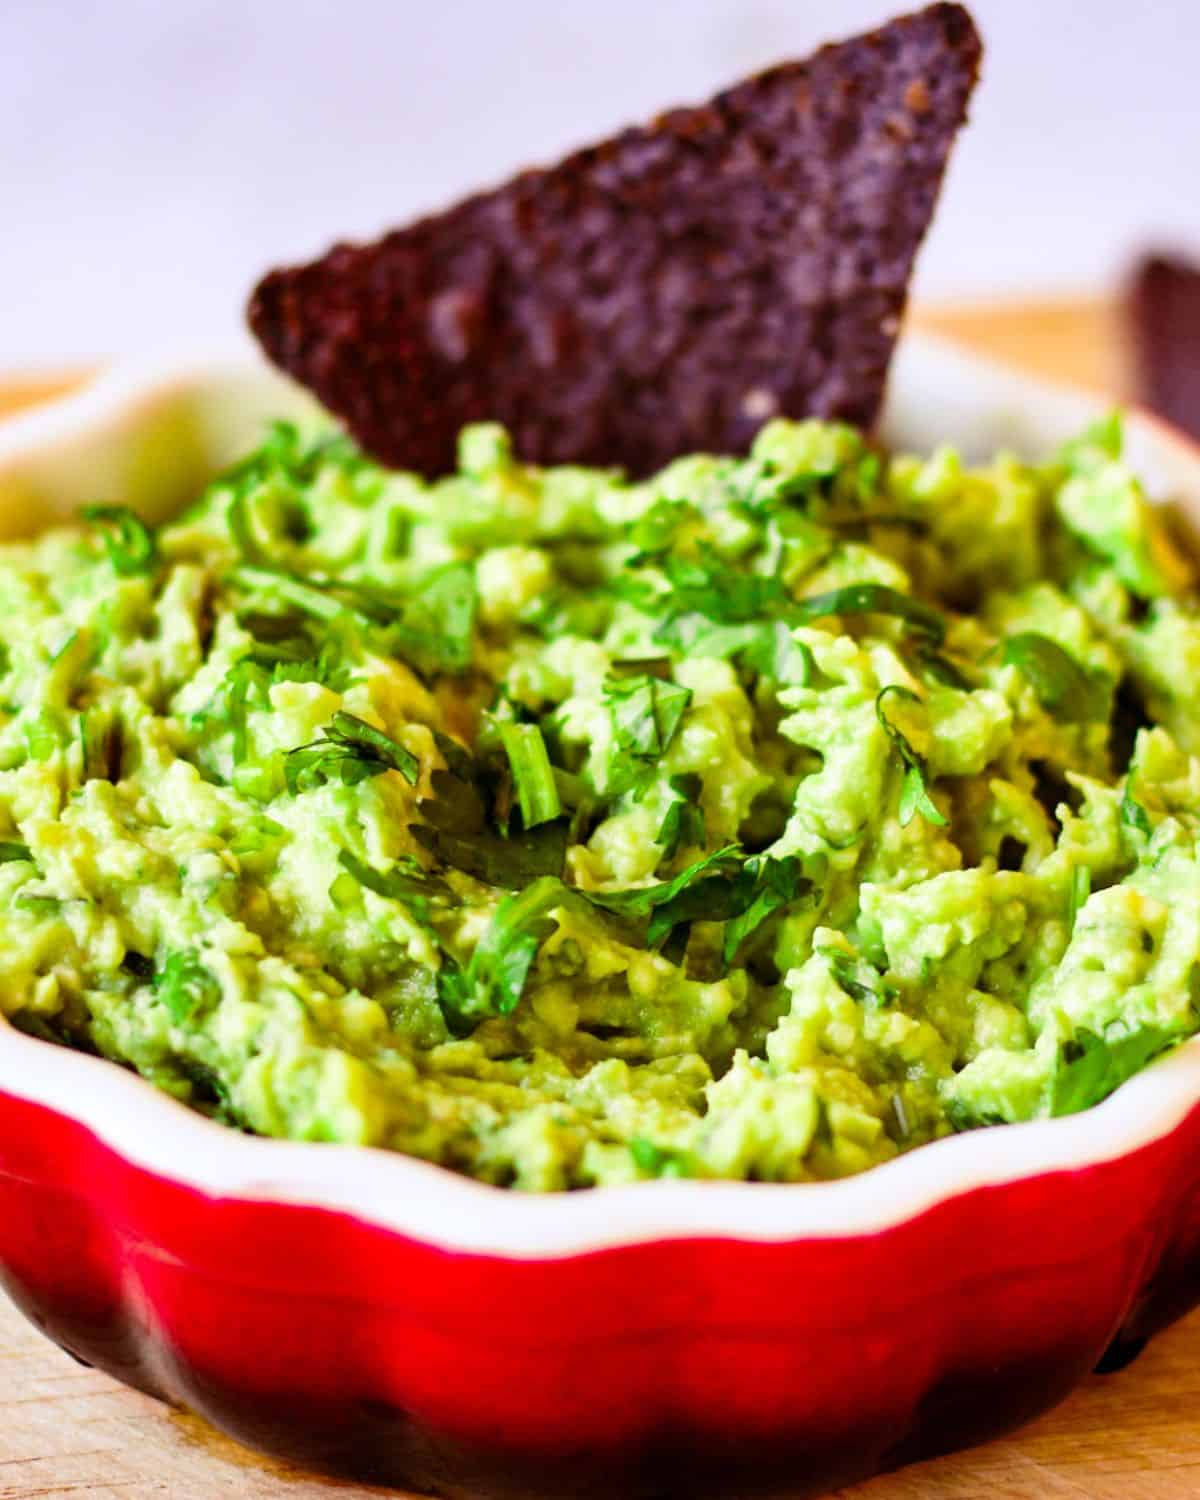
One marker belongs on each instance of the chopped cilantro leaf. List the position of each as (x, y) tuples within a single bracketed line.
[(350, 750), (241, 532), (860, 980), (306, 595), (37, 904), (914, 793), (655, 531), (532, 773), (494, 859), (683, 822), (873, 599), (128, 541), (1133, 813), (765, 648), (659, 1161), (493, 981), (703, 884), (12, 851), (704, 585), (245, 686), (1062, 686), (435, 626), (184, 985), (770, 885), (431, 628), (462, 816), (407, 882), (711, 587), (939, 668), (1091, 1066), (646, 713), (722, 886)]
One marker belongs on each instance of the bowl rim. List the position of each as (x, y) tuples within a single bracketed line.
[(421, 1201)]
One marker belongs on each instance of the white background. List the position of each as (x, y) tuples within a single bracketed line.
[(155, 155)]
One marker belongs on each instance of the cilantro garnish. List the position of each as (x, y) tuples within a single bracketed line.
[(13, 851), (1091, 1066), (683, 822), (493, 979), (284, 466), (767, 886), (407, 881), (184, 985), (127, 540), (37, 904), (461, 823), (712, 588), (860, 980), (764, 648), (873, 599), (1133, 813), (722, 886), (660, 1161), (914, 792), (435, 626), (646, 713), (255, 835), (308, 595), (430, 627), (704, 585), (349, 751), (656, 530), (939, 668), (494, 859), (241, 532), (1062, 686), (293, 651), (246, 686), (532, 773), (704, 888)]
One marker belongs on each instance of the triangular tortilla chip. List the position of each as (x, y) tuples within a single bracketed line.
[(666, 290)]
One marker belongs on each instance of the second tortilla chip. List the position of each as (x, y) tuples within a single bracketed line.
[(1163, 308), (664, 291)]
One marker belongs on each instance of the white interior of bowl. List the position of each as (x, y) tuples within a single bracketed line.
[(147, 435)]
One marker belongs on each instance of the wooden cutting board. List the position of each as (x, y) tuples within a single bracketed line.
[(72, 1433)]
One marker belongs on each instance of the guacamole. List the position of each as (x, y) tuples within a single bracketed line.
[(762, 820)]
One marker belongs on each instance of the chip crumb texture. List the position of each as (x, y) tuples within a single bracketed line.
[(667, 290)]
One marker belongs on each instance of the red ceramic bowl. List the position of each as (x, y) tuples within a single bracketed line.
[(380, 1316)]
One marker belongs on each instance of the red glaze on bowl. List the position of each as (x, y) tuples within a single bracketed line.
[(368, 1313)]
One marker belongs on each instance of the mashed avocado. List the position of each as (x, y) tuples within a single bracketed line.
[(765, 819)]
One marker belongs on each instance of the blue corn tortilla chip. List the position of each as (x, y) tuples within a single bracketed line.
[(667, 290), (1163, 308)]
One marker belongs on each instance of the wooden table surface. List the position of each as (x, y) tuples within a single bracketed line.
[(70, 1432)]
